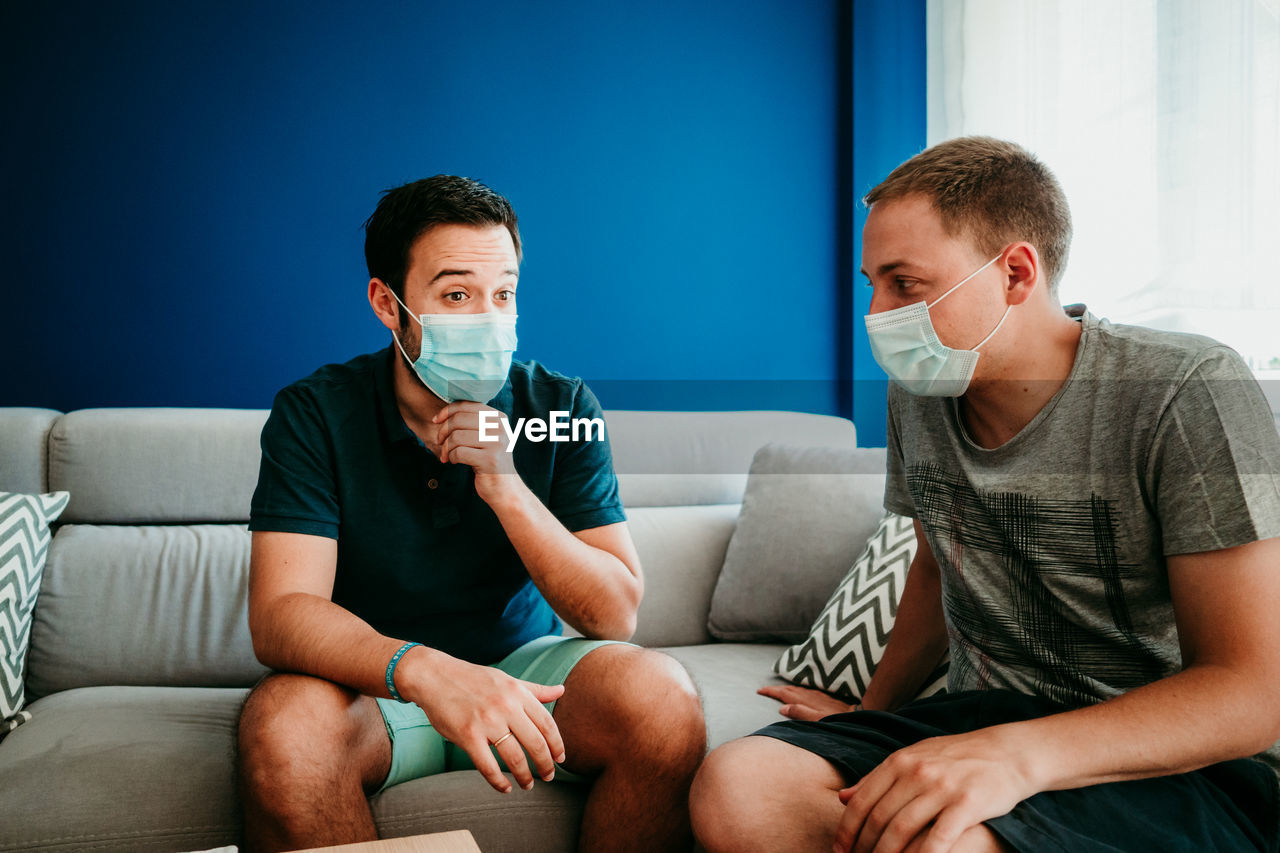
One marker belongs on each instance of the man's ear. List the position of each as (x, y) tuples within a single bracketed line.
[(384, 305), (1022, 265)]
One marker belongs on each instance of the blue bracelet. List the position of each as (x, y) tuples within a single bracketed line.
[(391, 671)]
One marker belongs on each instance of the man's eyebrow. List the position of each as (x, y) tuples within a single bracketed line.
[(446, 273), (889, 267)]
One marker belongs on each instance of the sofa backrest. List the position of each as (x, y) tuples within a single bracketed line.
[(146, 581), (24, 442)]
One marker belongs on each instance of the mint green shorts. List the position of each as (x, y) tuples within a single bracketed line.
[(417, 749)]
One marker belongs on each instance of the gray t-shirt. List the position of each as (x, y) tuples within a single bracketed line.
[(1052, 546)]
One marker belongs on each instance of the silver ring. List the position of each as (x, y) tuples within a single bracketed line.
[(504, 737)]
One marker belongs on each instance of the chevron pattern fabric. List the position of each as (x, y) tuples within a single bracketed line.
[(847, 640), (24, 544)]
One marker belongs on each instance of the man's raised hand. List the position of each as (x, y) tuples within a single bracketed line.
[(458, 436)]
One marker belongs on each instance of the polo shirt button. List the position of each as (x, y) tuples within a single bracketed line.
[(432, 483)]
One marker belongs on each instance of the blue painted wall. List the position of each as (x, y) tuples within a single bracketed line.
[(184, 184), (889, 115)]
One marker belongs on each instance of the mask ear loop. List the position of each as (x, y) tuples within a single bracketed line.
[(396, 337), (996, 329), (964, 280), (400, 347)]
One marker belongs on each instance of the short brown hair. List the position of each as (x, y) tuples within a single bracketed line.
[(994, 191), (407, 212)]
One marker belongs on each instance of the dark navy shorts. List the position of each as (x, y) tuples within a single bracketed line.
[(1230, 806)]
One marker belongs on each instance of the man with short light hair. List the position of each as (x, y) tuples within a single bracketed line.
[(1096, 507)]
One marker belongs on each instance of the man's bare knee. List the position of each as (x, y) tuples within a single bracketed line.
[(757, 791), (666, 711), (635, 705), (716, 796), (296, 728)]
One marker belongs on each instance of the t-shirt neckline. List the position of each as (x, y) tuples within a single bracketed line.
[(1088, 323)]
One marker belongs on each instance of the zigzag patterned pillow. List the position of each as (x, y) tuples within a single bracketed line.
[(847, 640), (24, 544)]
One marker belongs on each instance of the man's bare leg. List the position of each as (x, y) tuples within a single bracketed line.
[(633, 717), (310, 752), (761, 794)]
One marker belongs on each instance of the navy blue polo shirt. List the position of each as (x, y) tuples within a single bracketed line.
[(420, 555)]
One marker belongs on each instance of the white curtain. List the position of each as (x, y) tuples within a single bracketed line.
[(1161, 118)]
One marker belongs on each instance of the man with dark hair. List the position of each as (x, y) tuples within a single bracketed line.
[(1096, 510), (409, 564)]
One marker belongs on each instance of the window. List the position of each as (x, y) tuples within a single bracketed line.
[(1161, 119)]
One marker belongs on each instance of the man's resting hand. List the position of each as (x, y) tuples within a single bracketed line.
[(473, 706), (802, 703)]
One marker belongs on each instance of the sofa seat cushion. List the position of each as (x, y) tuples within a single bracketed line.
[(544, 820), (122, 768), (727, 676)]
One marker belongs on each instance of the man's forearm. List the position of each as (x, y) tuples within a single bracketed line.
[(301, 632), (592, 589), (916, 644), (1200, 716)]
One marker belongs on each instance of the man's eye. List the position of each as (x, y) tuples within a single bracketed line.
[(506, 295), (458, 293), (904, 283)]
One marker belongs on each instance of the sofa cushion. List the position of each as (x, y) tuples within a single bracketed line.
[(681, 551), (147, 466), (157, 605), (544, 820), (24, 545), (24, 435), (848, 638), (805, 516), (122, 768)]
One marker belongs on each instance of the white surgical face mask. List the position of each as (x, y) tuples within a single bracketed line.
[(463, 356), (906, 346)]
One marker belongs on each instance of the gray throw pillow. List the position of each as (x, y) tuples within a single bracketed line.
[(24, 544), (806, 514), (848, 639)]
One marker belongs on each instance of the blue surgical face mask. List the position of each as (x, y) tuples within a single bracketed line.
[(906, 346), (463, 356)]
